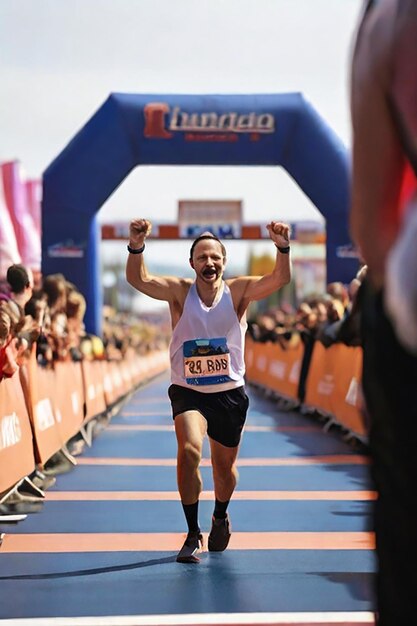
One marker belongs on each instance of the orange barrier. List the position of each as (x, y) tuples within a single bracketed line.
[(136, 367), (116, 379), (333, 381), (92, 377), (68, 399), (16, 445), (156, 362), (269, 365), (54, 404), (42, 406), (333, 384), (111, 393), (256, 361)]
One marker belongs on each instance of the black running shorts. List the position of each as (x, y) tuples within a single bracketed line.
[(224, 411)]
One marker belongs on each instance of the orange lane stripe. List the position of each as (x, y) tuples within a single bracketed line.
[(144, 413), (157, 542), (251, 429), (208, 495), (152, 400), (338, 459), (283, 429), (139, 427)]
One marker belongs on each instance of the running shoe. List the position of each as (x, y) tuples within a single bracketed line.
[(193, 544), (219, 535)]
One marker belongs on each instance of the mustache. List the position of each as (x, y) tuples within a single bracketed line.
[(209, 271)]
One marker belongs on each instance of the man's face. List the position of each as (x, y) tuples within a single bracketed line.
[(208, 261)]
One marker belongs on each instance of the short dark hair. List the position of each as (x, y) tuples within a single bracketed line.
[(18, 278), (54, 286), (206, 236)]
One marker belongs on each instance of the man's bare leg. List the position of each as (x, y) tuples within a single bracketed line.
[(225, 477), (190, 428)]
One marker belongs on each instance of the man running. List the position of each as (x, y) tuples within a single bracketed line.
[(207, 393)]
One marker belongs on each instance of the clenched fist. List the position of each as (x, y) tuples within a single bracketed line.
[(279, 233), (139, 229)]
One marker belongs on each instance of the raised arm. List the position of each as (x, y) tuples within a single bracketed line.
[(166, 288), (245, 289)]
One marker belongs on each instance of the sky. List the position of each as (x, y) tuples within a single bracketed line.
[(60, 59)]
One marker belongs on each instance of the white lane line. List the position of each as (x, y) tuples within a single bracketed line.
[(362, 618)]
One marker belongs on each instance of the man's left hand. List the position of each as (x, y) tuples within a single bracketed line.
[(279, 233)]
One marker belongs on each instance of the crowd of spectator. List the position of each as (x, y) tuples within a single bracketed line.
[(43, 318), (329, 318), (51, 314)]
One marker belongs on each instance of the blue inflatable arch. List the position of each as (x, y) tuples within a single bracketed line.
[(131, 130)]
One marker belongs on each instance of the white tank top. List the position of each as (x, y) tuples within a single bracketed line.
[(207, 344)]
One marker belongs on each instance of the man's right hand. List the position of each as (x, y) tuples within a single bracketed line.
[(139, 229)]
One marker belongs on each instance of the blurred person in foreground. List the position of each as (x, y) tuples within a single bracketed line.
[(207, 393), (384, 227)]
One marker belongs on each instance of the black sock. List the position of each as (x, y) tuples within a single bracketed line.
[(220, 509), (191, 515)]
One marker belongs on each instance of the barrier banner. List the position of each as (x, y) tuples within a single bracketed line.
[(68, 398), (333, 384), (42, 384), (93, 389), (269, 365), (158, 363), (126, 374), (116, 378), (249, 358), (256, 361), (283, 368), (16, 445), (110, 393), (39, 390), (136, 366)]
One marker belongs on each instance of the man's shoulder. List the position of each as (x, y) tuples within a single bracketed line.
[(177, 281), (237, 281), (185, 283), (237, 287), (182, 286)]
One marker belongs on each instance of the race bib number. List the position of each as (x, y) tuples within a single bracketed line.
[(206, 361)]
